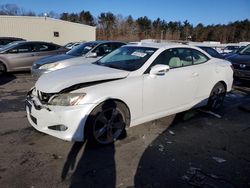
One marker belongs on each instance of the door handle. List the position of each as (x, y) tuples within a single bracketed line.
[(195, 74)]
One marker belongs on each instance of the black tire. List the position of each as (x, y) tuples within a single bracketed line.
[(2, 68), (216, 97), (107, 122)]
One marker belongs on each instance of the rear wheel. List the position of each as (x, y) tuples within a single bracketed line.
[(107, 122), (217, 96), (2, 68)]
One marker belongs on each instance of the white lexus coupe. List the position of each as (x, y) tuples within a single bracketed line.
[(132, 85)]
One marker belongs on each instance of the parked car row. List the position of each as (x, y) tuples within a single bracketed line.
[(84, 53), (45, 57), (72, 45)]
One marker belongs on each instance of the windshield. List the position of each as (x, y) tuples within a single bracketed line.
[(245, 51), (129, 58), (82, 49), (7, 46)]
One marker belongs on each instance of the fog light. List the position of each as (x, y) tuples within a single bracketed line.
[(58, 127)]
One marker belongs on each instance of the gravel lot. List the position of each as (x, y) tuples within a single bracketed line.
[(197, 150)]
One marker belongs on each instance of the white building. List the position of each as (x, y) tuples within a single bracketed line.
[(45, 29)]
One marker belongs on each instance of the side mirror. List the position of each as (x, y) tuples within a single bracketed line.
[(92, 55), (159, 70)]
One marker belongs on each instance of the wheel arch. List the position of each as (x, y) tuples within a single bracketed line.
[(224, 83), (4, 64), (99, 103)]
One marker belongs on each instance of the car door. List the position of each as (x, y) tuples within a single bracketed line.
[(205, 70), (21, 57), (175, 89), (44, 49)]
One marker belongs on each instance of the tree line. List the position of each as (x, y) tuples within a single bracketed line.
[(117, 27)]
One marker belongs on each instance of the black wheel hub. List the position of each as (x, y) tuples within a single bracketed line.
[(108, 126)]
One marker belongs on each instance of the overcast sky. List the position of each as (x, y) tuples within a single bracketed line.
[(195, 11)]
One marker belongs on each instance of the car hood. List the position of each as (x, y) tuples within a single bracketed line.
[(59, 80), (239, 59), (53, 58)]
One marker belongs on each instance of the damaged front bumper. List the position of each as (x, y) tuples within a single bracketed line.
[(64, 122)]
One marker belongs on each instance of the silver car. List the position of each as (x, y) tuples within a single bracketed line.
[(87, 52), (19, 56)]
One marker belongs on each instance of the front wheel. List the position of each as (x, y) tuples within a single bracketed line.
[(107, 122), (216, 97)]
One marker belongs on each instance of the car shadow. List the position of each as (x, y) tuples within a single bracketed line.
[(96, 165), (6, 78), (95, 168), (170, 160), (182, 155)]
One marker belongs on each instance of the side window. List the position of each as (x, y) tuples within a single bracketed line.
[(179, 57), (53, 47), (185, 56), (40, 48), (162, 59), (211, 51), (117, 45), (5, 41), (25, 48), (175, 58), (167, 57), (199, 57), (103, 49)]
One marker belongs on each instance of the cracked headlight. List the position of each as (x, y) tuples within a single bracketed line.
[(67, 99), (49, 66)]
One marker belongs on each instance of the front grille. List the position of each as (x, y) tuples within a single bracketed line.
[(44, 97)]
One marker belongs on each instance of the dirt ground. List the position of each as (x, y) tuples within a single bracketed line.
[(197, 150)]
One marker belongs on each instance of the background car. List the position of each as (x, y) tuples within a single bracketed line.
[(85, 53), (6, 40), (229, 49), (19, 56), (131, 85), (234, 52), (241, 64), (71, 45), (211, 52)]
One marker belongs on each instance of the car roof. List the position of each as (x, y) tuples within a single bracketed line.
[(204, 47), (28, 42), (167, 46), (34, 42), (160, 45), (11, 38)]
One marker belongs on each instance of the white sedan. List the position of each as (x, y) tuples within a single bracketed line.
[(132, 85)]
